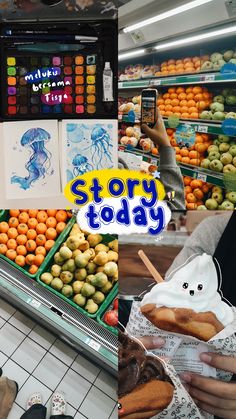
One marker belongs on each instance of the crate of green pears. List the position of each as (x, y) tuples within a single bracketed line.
[(83, 270)]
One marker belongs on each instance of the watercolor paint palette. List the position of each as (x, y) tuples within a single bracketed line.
[(50, 71), (45, 85)]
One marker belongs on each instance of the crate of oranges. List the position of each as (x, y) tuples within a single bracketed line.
[(27, 237)]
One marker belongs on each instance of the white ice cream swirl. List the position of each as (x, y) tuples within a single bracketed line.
[(194, 286)]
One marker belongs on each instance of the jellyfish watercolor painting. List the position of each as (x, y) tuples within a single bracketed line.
[(81, 165), (39, 164), (101, 147)]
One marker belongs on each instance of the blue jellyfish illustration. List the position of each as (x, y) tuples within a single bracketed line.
[(101, 147), (75, 133), (40, 159), (81, 165)]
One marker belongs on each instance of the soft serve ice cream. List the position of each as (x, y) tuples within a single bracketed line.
[(191, 296)]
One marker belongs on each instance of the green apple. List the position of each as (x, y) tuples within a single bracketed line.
[(216, 142), (201, 207), (218, 197), (205, 163), (226, 205), (217, 189), (231, 196), (229, 168), (234, 161), (216, 165), (232, 150), (223, 147), (214, 155), (223, 138), (212, 148), (226, 158), (211, 204)]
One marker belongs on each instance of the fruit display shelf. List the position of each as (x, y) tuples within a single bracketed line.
[(76, 329), (200, 78), (187, 170), (199, 125)]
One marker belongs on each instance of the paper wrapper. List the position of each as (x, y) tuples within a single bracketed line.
[(183, 351)]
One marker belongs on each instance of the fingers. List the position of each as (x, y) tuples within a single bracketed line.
[(152, 342), (210, 385), (222, 413), (226, 363), (211, 400), (148, 131)]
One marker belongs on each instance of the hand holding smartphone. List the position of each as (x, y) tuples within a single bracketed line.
[(149, 107)]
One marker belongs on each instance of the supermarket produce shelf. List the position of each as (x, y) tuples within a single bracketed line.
[(200, 125), (79, 331), (200, 78), (187, 170)]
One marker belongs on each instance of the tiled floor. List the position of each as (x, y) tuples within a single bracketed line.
[(40, 363)]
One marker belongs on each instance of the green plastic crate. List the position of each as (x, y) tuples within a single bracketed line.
[(106, 306), (25, 270), (47, 267)]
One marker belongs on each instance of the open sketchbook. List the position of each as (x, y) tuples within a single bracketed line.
[(41, 157)]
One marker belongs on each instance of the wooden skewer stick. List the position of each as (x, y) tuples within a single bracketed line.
[(158, 278)]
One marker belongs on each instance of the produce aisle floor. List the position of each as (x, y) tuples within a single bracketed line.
[(40, 363)]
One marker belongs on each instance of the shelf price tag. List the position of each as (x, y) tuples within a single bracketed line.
[(209, 77), (155, 82), (93, 344), (202, 177), (34, 303), (202, 128), (120, 85)]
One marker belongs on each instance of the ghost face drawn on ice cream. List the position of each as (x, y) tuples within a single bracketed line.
[(190, 303)]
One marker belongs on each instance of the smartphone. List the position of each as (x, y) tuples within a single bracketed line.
[(149, 107)]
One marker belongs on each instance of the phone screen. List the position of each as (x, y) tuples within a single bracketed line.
[(149, 100)]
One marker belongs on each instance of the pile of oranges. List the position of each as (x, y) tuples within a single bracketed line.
[(194, 154), (184, 102), (195, 191), (186, 65), (28, 235)]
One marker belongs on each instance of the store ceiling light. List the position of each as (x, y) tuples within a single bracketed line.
[(166, 15), (134, 53), (196, 38)]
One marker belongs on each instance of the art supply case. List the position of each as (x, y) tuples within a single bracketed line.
[(49, 72)]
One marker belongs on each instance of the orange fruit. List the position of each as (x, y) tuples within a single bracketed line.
[(197, 89), (33, 269), (32, 223), (185, 160), (159, 102), (154, 151), (176, 109), (60, 227), (183, 103), (31, 234), (187, 189), (191, 206), (22, 228), (200, 148), (168, 108), (193, 154), (192, 109), (3, 249), (194, 162), (172, 90), (173, 96), (52, 212), (61, 215), (11, 244), (51, 222), (184, 152), (161, 107), (168, 113), (189, 90), (178, 157), (185, 115), (198, 97), (182, 96), (190, 96), (175, 102), (3, 238), (205, 188), (196, 183), (40, 240), (51, 233), (29, 260), (41, 228), (13, 222), (21, 250), (49, 244), (20, 260), (38, 260), (42, 216), (180, 90), (11, 254), (23, 217), (40, 250), (191, 104), (4, 227), (30, 245), (168, 102), (21, 239), (166, 96), (187, 180), (191, 198), (12, 233), (14, 212), (198, 193), (33, 213)]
